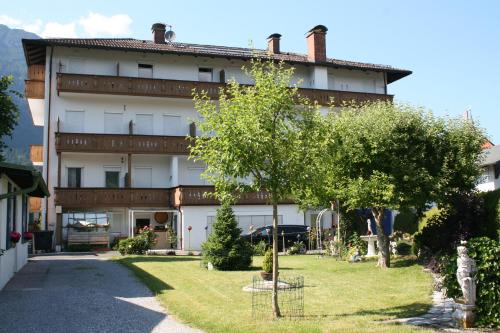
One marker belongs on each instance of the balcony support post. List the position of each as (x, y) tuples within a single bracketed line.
[(129, 171)]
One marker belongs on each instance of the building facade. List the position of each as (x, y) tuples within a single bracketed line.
[(490, 179), (116, 113), (17, 185)]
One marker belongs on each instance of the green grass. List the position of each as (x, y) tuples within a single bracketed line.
[(338, 297)]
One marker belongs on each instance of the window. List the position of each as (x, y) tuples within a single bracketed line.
[(24, 215), (74, 177), (145, 70), (113, 123), (144, 124), (11, 216), (172, 125), (142, 177), (74, 121), (112, 179), (205, 74)]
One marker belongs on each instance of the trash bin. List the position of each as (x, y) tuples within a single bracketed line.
[(43, 240)]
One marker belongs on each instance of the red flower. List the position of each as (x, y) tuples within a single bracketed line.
[(28, 235), (15, 236)]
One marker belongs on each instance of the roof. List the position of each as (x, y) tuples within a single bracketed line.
[(25, 177), (34, 50), (491, 155)]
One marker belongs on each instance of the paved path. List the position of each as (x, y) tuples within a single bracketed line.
[(84, 293)]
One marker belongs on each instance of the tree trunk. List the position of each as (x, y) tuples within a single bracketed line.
[(384, 255), (276, 308)]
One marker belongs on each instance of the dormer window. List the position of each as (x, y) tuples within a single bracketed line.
[(205, 74), (145, 70)]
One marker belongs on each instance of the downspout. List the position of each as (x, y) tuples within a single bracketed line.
[(48, 139)]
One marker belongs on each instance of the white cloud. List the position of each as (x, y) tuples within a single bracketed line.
[(54, 29), (10, 21), (34, 27), (96, 24)]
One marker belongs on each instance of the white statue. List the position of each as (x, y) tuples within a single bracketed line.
[(466, 268), (465, 306)]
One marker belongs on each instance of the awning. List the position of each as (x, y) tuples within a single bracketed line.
[(29, 180)]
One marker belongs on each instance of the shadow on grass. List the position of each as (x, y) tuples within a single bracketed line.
[(156, 258), (404, 262), (403, 311), (152, 282)]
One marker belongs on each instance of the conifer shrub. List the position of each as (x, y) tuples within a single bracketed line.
[(225, 249)]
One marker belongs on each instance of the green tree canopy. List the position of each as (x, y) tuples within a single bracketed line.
[(254, 138), (383, 155), (9, 114)]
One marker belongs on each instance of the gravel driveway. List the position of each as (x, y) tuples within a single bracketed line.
[(84, 293)]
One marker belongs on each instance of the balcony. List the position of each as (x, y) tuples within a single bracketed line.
[(112, 197), (195, 196), (36, 154), (148, 197), (35, 84), (119, 85), (121, 143)]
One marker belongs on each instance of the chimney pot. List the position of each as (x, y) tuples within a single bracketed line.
[(158, 30), (273, 43), (316, 43)]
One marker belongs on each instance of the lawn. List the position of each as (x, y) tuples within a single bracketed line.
[(338, 296)]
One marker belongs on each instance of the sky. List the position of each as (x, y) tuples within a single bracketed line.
[(452, 46)]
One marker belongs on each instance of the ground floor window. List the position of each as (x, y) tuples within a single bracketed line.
[(24, 216), (11, 216)]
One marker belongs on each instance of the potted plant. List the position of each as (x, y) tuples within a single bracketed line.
[(267, 266), (15, 237), (27, 235)]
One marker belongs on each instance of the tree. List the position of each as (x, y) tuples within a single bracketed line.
[(225, 249), (9, 114), (253, 139), (383, 155)]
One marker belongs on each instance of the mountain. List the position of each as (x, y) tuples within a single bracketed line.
[(12, 62)]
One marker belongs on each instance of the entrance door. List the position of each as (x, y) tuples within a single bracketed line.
[(141, 223)]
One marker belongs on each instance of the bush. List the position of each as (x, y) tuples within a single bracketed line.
[(225, 249), (485, 252), (462, 219), (297, 248), (406, 221), (139, 244), (267, 263), (403, 248), (422, 222), (356, 241), (259, 249), (491, 226)]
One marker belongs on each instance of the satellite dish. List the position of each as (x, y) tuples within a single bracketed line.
[(169, 36)]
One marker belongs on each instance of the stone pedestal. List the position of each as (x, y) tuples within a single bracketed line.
[(371, 244), (463, 315)]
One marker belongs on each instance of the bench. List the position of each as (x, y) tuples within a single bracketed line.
[(88, 237)]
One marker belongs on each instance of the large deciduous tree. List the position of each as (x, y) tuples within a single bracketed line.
[(383, 155), (253, 139), (9, 114)]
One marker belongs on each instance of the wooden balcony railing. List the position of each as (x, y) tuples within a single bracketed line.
[(121, 143), (148, 197), (34, 89), (195, 196), (36, 153), (112, 197), (119, 85)]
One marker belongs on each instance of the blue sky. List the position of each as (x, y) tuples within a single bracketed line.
[(452, 47)]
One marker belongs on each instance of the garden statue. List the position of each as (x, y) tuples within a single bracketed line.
[(393, 247), (464, 306)]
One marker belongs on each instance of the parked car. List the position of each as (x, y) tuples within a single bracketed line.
[(290, 232)]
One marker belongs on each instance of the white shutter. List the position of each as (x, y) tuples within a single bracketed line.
[(74, 121), (113, 123), (143, 124), (172, 125)]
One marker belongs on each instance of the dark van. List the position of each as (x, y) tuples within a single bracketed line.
[(290, 232)]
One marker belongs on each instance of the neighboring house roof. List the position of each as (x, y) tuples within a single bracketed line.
[(26, 178), (491, 155), (34, 50)]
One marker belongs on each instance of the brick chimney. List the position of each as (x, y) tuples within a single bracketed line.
[(158, 30), (273, 43), (316, 45)]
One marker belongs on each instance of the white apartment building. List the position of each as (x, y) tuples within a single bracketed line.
[(116, 113)]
